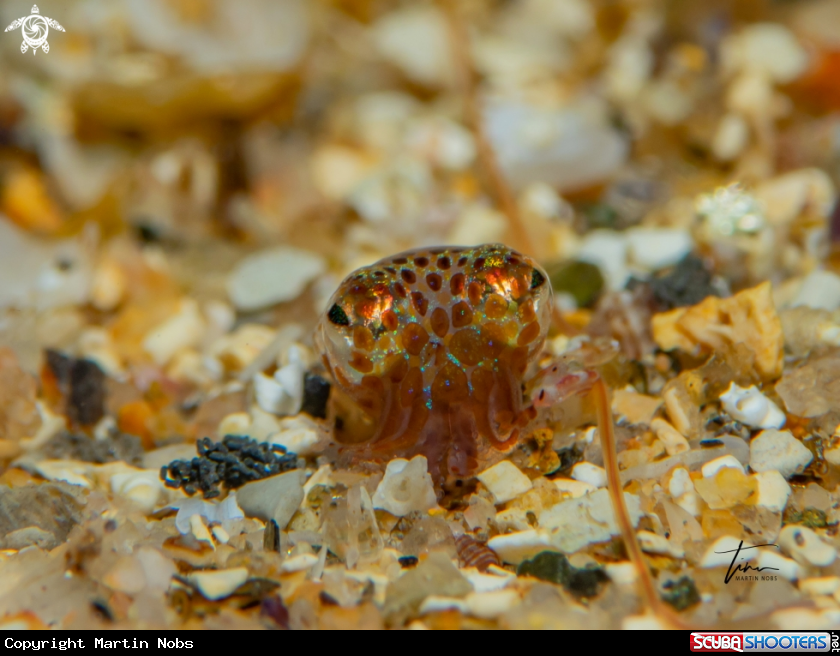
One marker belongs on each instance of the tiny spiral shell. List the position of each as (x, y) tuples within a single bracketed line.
[(473, 553)]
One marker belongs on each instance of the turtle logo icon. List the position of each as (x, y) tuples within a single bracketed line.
[(35, 29)]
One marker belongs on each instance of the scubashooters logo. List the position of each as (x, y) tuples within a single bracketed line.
[(35, 29), (793, 641)]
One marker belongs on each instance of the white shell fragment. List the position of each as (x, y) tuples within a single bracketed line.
[(769, 49), (673, 440), (181, 331), (407, 487), (751, 407), (806, 546), (276, 497), (586, 472), (722, 551), (416, 40), (575, 523), (142, 486), (34, 271), (212, 512), (773, 490), (681, 489), (785, 567), (298, 563), (780, 450), (282, 394), (220, 583), (298, 434), (515, 547), (567, 148), (711, 468), (657, 248), (623, 573), (819, 290), (658, 544), (505, 481), (272, 276), (573, 488)]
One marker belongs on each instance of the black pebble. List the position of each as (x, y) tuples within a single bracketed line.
[(408, 561), (83, 383), (60, 365), (688, 283), (316, 393)]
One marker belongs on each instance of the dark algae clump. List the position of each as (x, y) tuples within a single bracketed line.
[(556, 568)]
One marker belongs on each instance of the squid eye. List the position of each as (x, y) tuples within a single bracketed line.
[(537, 279), (338, 316)]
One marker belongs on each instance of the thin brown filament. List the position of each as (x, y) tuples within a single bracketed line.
[(467, 76), (625, 524)]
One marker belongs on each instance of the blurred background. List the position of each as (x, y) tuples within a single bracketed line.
[(214, 163)]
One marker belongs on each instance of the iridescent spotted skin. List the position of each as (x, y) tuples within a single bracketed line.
[(434, 345)]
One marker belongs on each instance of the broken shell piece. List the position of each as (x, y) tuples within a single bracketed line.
[(142, 486), (282, 394), (505, 481), (586, 472), (722, 551), (643, 623), (108, 286), (657, 248), (407, 487), (820, 290), (711, 468), (785, 567), (415, 40), (236, 423), (820, 585), (806, 546), (832, 455), (221, 535), (199, 530), (680, 482), (573, 488), (488, 605), (126, 575), (751, 407), (212, 512), (673, 440), (271, 395), (214, 585), (276, 497), (515, 547), (780, 450), (51, 424), (574, 523), (487, 582), (681, 489), (181, 331), (74, 472), (621, 573), (437, 604), (748, 318), (658, 544), (272, 276), (299, 434), (773, 490), (298, 563)]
